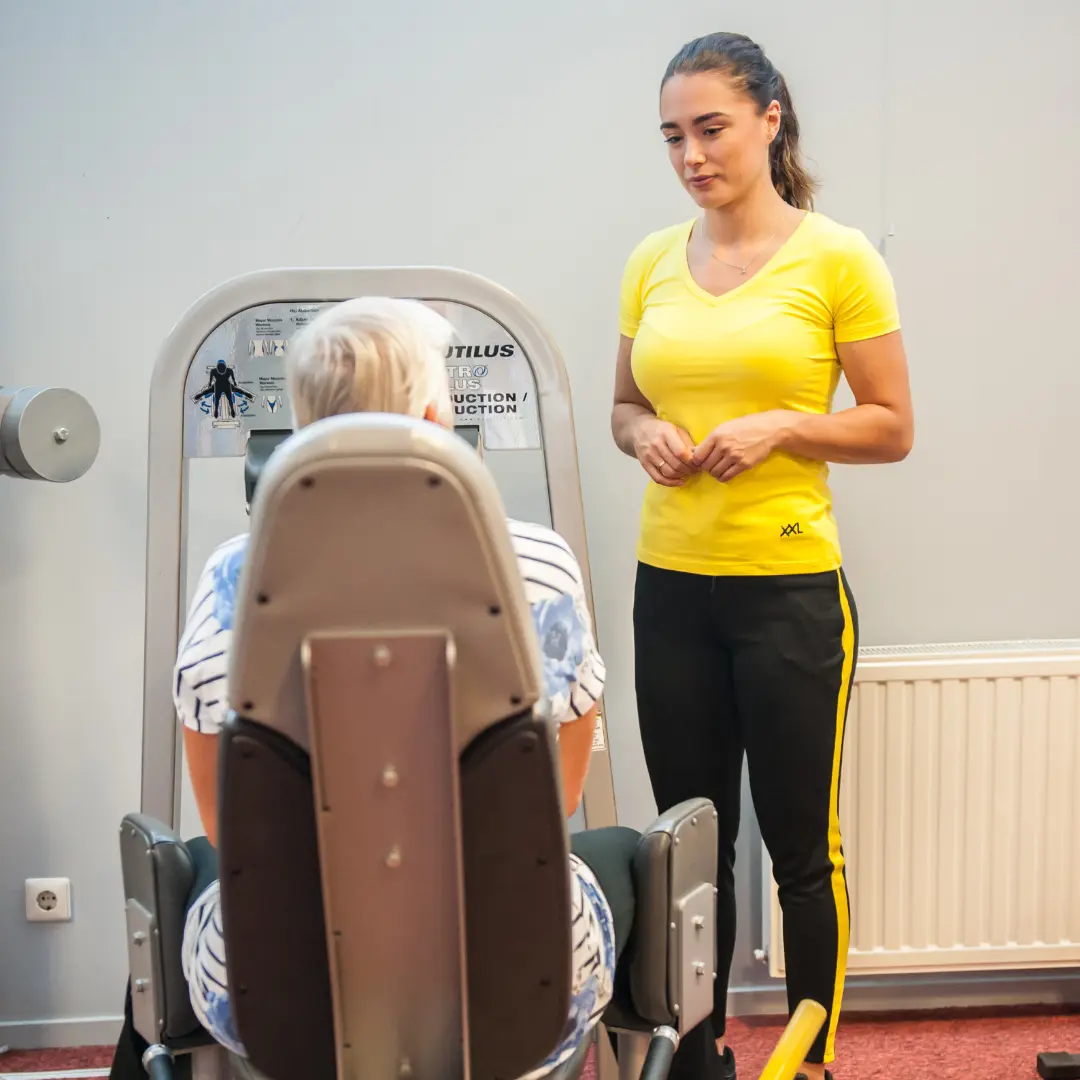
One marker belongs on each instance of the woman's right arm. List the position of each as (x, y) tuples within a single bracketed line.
[(663, 449)]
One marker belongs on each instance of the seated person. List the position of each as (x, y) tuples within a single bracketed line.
[(387, 356)]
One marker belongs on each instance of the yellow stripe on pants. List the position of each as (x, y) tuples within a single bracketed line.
[(836, 854)]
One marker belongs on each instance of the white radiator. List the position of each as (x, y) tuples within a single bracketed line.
[(960, 809)]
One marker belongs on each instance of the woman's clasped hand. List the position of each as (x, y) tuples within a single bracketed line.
[(668, 454)]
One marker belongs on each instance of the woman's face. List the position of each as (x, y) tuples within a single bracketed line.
[(717, 139)]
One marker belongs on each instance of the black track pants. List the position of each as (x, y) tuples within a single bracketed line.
[(762, 666)]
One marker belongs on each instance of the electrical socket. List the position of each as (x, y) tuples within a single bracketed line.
[(48, 899)]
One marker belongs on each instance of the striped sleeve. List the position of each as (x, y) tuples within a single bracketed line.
[(200, 692), (574, 672)]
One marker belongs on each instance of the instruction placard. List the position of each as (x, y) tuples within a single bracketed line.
[(491, 380), (236, 383)]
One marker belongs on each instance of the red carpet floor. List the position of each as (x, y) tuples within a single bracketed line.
[(73, 1057), (951, 1048), (987, 1048), (992, 1048)]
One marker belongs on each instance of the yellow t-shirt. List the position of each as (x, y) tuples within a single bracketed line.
[(769, 343)]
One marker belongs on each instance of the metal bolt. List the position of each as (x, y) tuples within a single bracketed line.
[(382, 656), (675, 1009), (715, 891), (673, 928), (760, 955), (693, 821), (141, 985), (393, 859), (699, 922), (138, 937), (699, 968), (714, 976), (61, 435), (676, 839), (390, 776)]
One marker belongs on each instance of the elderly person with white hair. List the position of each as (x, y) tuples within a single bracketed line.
[(376, 354)]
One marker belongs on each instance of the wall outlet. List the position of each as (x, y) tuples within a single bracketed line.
[(48, 899)]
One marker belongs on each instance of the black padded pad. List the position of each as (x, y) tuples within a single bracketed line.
[(261, 444), (272, 904), (517, 892), (161, 883), (517, 898)]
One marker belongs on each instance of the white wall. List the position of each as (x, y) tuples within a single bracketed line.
[(151, 151)]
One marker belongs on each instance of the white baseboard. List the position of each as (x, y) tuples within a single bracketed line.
[(921, 992), (47, 1034), (54, 1074)]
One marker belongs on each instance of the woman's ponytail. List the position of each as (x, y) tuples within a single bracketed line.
[(789, 175)]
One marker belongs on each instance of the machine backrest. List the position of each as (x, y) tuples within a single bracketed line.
[(393, 844)]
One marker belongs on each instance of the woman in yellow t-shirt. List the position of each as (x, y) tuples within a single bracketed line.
[(735, 328)]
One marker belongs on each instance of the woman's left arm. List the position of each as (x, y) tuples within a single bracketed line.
[(881, 425)]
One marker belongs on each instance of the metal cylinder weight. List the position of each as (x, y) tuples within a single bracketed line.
[(46, 433)]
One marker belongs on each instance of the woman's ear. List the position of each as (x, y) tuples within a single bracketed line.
[(774, 117)]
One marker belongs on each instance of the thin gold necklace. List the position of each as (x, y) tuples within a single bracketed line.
[(742, 269)]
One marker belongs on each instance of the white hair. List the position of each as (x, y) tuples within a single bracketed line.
[(371, 354)]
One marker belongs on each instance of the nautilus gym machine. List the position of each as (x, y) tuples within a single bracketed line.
[(375, 484)]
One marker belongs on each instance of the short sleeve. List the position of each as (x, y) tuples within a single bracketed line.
[(200, 690), (632, 292), (865, 303), (574, 673), (590, 673)]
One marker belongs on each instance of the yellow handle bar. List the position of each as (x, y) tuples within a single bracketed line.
[(798, 1037)]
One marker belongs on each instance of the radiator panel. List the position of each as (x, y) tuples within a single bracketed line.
[(959, 810)]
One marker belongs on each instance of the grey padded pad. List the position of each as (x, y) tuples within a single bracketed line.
[(664, 873), (158, 872)]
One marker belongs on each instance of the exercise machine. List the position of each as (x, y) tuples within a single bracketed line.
[(46, 433), (411, 876), (219, 409)]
